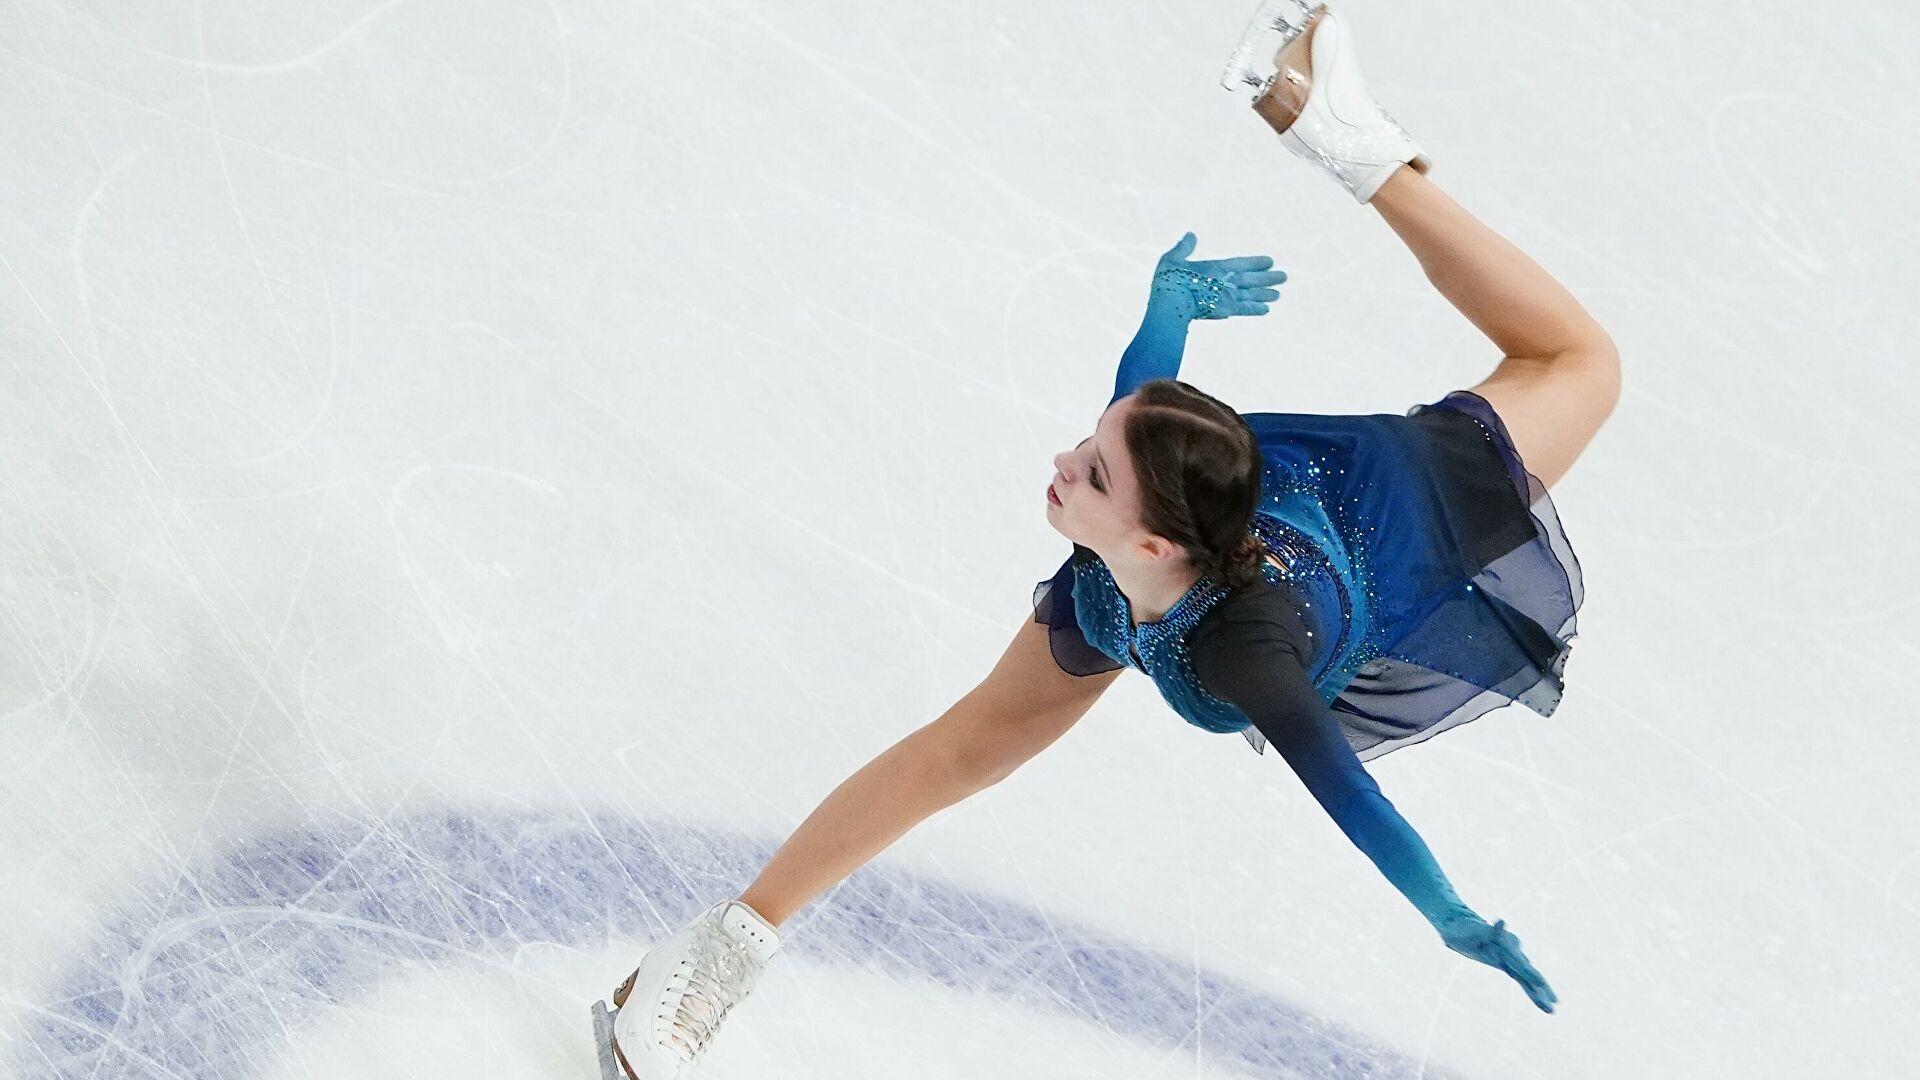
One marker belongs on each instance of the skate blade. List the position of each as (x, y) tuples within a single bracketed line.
[(603, 1042), (1250, 67)]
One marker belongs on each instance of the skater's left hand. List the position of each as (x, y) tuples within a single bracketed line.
[(1213, 288), (1496, 946)]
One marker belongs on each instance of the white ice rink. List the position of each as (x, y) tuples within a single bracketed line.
[(473, 476)]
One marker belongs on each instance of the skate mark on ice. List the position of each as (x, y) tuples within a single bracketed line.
[(197, 982)]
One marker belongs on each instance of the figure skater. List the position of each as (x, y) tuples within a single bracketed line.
[(1337, 586)]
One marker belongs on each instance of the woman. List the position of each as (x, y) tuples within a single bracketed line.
[(1337, 586)]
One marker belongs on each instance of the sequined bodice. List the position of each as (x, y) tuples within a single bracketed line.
[(1312, 565)]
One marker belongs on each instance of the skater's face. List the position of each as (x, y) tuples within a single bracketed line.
[(1099, 492)]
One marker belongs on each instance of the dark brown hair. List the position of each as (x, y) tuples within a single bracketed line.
[(1199, 468)]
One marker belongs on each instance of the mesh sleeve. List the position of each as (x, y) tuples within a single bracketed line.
[(1255, 664)]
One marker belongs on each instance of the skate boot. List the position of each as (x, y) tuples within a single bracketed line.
[(667, 1011), (1317, 99)]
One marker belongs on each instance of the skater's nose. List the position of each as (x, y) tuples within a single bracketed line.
[(1063, 465)]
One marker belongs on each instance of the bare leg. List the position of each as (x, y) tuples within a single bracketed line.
[(1022, 707), (871, 809), (1560, 377), (1521, 308)]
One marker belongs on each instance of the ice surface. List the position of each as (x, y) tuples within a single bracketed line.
[(476, 476)]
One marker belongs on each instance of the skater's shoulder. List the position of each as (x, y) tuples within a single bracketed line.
[(1257, 610)]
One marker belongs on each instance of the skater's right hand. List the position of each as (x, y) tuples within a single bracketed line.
[(1212, 288), (1496, 946)]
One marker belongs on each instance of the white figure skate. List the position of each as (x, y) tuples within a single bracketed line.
[(1316, 98), (665, 1015)]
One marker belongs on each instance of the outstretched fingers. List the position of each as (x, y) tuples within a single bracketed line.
[(1243, 283), (1237, 264), (1515, 963)]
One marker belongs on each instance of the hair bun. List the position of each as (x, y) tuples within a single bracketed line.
[(1240, 563)]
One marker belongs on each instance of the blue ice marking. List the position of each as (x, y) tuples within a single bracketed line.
[(204, 978)]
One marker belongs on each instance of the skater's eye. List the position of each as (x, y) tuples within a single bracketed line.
[(1093, 474)]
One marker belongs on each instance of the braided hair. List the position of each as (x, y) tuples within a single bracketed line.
[(1199, 467)]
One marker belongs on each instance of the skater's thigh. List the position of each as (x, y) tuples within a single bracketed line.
[(1553, 407), (1026, 702)]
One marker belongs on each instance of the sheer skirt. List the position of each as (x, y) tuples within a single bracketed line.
[(1457, 585), (1499, 628)]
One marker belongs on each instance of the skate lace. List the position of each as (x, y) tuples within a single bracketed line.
[(724, 971)]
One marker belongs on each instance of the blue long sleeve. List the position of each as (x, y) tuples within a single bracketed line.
[(1255, 664), (1161, 341)]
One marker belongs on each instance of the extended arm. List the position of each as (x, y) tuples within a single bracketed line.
[(1161, 341), (1256, 664), (1256, 667), (1182, 292)]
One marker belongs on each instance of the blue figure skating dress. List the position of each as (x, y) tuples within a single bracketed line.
[(1417, 578), (1424, 580)]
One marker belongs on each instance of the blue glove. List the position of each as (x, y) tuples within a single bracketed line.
[(1495, 946), (1186, 290), (1212, 288)]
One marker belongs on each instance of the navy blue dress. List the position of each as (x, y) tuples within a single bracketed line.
[(1424, 581), (1426, 574)]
